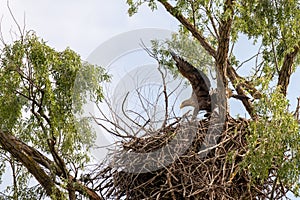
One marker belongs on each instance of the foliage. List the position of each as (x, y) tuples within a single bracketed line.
[(275, 138), (183, 44), (275, 21), (41, 92), (275, 25)]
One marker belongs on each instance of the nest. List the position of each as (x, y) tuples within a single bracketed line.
[(191, 174)]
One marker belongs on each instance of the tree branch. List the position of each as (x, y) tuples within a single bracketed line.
[(223, 43), (286, 70), (32, 159), (13, 146), (238, 82), (296, 113), (174, 12)]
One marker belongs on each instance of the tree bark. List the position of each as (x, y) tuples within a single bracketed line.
[(286, 70), (14, 146), (222, 55), (33, 160)]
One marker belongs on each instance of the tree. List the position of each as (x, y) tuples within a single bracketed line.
[(256, 158), (40, 136)]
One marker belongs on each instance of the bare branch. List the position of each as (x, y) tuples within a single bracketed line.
[(165, 97), (16, 22), (247, 60)]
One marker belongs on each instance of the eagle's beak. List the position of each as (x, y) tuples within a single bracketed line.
[(181, 106)]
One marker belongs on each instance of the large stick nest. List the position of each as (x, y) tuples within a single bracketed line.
[(217, 175)]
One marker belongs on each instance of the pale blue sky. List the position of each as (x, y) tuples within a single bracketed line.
[(81, 25)]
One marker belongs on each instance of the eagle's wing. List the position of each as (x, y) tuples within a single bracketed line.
[(199, 81)]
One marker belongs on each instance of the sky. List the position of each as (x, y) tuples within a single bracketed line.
[(83, 25), (80, 25)]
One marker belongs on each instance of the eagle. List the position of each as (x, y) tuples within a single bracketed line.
[(202, 94), (201, 98)]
